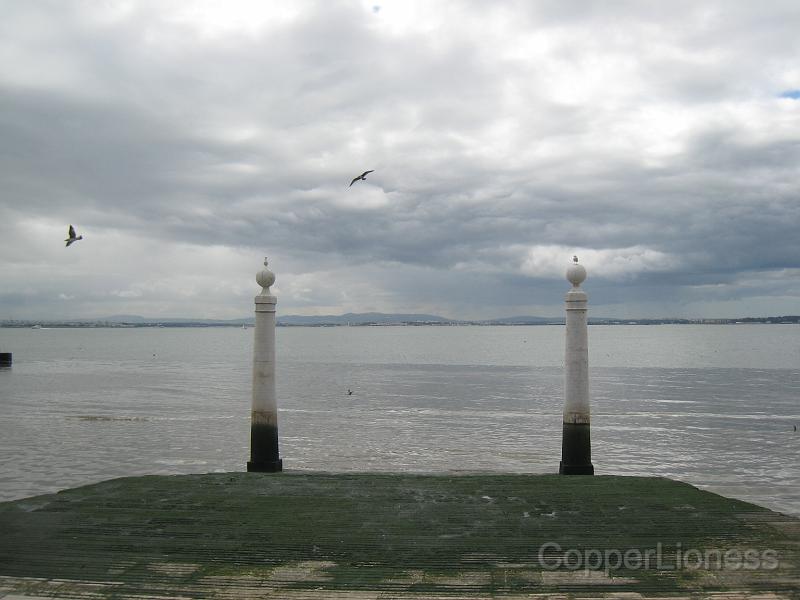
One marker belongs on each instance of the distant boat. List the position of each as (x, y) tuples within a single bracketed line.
[(36, 327)]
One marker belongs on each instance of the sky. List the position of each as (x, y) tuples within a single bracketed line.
[(657, 141)]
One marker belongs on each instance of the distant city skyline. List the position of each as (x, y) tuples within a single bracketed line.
[(660, 142)]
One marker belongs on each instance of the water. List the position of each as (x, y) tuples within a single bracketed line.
[(711, 405)]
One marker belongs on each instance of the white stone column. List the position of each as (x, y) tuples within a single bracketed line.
[(576, 451), (264, 455)]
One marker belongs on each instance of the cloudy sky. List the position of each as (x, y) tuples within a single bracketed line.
[(658, 141)]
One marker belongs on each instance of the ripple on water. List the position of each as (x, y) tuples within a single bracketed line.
[(121, 411)]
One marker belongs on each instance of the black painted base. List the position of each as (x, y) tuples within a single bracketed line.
[(264, 456), (5, 359), (576, 450), (273, 467), (575, 469)]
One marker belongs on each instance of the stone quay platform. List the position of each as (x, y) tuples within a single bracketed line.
[(373, 536)]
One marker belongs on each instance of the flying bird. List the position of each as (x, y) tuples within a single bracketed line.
[(362, 177), (72, 237)]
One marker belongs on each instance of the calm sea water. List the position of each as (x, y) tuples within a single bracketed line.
[(711, 405)]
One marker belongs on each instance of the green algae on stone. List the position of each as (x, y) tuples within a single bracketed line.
[(401, 533)]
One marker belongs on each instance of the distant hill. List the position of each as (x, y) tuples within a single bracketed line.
[(525, 321), (139, 320), (122, 319), (376, 318), (361, 319), (368, 318)]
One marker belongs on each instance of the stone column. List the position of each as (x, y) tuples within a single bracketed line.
[(576, 450), (264, 455)]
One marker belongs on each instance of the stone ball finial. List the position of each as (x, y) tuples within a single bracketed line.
[(265, 278), (576, 274)]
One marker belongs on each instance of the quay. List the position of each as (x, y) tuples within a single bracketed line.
[(374, 535)]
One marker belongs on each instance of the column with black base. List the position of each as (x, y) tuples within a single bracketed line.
[(264, 454), (576, 449)]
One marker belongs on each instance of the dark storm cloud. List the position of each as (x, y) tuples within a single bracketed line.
[(189, 140)]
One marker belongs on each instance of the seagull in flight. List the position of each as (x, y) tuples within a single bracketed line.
[(72, 237), (362, 177)]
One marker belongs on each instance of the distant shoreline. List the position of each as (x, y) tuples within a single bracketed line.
[(247, 324)]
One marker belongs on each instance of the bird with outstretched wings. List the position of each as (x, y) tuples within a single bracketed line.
[(362, 177), (71, 237)]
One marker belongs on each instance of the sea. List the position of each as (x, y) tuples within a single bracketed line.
[(712, 405)]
